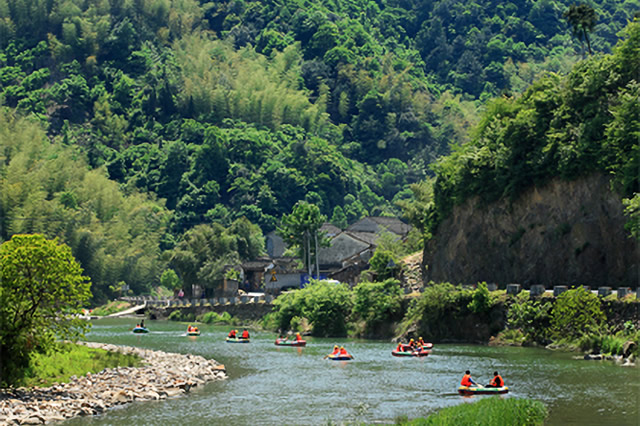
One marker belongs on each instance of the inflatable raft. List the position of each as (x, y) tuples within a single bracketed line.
[(193, 333), (237, 340), (140, 330), (340, 357), (285, 342), (410, 353), (477, 390)]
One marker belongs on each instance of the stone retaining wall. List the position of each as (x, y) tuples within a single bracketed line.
[(245, 312), (165, 375)]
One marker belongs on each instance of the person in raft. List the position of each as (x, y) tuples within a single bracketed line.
[(497, 381), (467, 380), (245, 334), (232, 334), (420, 343), (298, 337), (399, 348), (343, 351), (336, 351)]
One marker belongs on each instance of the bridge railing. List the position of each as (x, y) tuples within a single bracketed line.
[(214, 301)]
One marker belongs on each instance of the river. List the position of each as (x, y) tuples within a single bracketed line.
[(271, 385)]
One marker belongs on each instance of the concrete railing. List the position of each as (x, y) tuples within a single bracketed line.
[(214, 301)]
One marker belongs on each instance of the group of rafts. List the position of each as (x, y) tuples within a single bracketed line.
[(412, 349)]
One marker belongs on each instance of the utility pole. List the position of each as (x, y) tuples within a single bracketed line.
[(317, 261)]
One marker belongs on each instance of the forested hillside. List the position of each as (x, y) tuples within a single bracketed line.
[(212, 111), (539, 193)]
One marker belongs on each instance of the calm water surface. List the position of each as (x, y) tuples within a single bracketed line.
[(272, 385)]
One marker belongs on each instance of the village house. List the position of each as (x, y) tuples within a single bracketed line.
[(347, 256)]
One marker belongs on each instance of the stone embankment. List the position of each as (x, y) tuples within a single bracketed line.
[(164, 375)]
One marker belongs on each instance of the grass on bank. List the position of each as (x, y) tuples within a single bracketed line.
[(73, 360), (488, 411)]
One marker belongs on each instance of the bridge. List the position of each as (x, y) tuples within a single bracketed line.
[(153, 301)]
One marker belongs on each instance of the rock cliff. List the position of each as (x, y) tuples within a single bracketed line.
[(562, 233)]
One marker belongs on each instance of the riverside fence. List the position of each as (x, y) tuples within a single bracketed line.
[(214, 301)]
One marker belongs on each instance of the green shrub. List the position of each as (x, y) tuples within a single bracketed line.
[(436, 309), (180, 315), (481, 299), (325, 305), (511, 337), (531, 316), (377, 302), (576, 312), (215, 318), (612, 344)]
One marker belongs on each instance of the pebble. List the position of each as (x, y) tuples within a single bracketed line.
[(94, 393)]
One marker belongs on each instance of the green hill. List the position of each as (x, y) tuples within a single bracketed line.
[(214, 111)]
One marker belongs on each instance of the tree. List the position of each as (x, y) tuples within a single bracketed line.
[(300, 229), (170, 280), (582, 19), (41, 290)]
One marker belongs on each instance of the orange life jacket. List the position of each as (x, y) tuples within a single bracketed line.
[(245, 334), (343, 352), (336, 351), (466, 380), (232, 334), (298, 337), (497, 381)]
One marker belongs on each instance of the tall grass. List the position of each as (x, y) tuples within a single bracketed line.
[(73, 360), (488, 411)]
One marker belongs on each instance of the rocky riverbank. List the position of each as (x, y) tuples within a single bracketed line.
[(165, 375)]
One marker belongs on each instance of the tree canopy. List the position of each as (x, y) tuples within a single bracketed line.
[(42, 290)]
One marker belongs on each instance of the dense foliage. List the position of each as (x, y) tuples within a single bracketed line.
[(47, 188), (377, 303), (445, 311), (577, 312), (205, 252), (164, 115), (41, 292), (329, 309), (586, 122), (324, 306), (532, 317), (233, 109)]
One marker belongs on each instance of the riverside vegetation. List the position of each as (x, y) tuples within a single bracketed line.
[(491, 411), (574, 320)]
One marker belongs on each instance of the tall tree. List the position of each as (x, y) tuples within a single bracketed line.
[(300, 229), (582, 19)]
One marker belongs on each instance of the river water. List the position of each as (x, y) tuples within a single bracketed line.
[(271, 385)]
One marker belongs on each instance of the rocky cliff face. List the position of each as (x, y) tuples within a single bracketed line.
[(561, 234)]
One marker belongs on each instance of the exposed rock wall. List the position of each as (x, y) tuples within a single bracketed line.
[(562, 233)]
